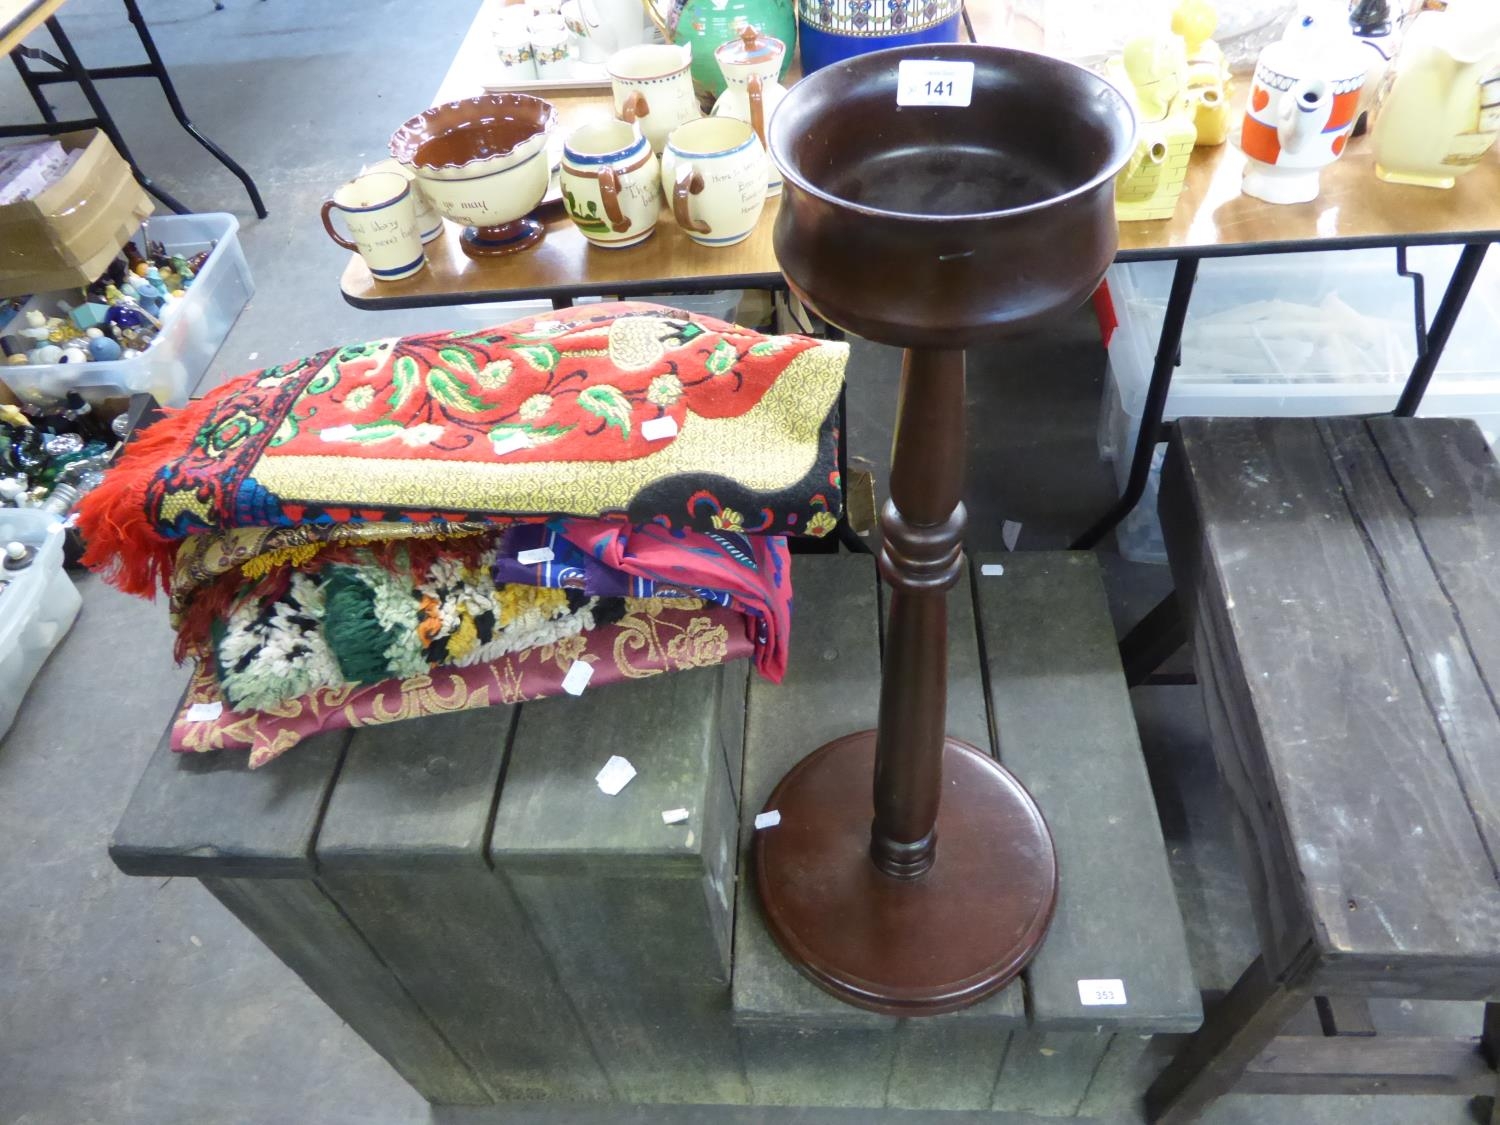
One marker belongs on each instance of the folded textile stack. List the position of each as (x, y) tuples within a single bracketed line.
[(440, 522)]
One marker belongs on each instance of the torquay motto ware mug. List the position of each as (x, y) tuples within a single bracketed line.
[(611, 183), (381, 214), (714, 173), (653, 87)]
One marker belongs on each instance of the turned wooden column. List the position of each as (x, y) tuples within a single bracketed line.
[(921, 557)]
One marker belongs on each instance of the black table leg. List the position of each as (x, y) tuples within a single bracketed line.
[(1443, 321), (159, 72), (33, 87), (1167, 356), (80, 74), (1153, 640)]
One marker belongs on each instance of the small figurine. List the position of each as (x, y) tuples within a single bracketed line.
[(1438, 111), (46, 353), (1152, 73), (103, 349), (1301, 109), (1209, 82)]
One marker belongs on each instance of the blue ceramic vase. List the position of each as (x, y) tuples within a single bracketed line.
[(838, 29)]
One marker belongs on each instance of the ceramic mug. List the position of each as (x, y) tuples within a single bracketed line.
[(551, 47), (653, 87), (429, 222), (381, 213), (512, 37), (611, 183), (714, 173)]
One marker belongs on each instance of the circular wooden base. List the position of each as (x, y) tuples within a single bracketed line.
[(507, 238), (905, 947)]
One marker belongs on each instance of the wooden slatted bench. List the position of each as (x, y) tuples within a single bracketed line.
[(461, 893), (1339, 576)]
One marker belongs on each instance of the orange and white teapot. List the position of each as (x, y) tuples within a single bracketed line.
[(1302, 107)]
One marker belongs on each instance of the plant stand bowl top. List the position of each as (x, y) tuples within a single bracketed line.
[(942, 225)]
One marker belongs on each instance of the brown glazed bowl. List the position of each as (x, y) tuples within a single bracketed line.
[(939, 226), (482, 162)]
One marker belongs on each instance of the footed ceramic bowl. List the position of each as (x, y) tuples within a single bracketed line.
[(482, 162)]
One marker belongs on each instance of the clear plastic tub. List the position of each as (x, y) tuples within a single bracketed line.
[(191, 335), (1290, 335), (37, 606)]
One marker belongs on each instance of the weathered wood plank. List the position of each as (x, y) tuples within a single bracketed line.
[(1300, 1064), (1355, 757), (1066, 729), (943, 1063), (1439, 477), (1129, 1064), (634, 913), (402, 852), (297, 922), (1048, 1072), (210, 814)]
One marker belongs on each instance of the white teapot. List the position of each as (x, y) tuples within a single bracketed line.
[(751, 63), (1302, 107)]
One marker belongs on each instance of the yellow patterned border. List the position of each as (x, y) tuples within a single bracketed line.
[(770, 447)]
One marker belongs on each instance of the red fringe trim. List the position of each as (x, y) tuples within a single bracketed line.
[(124, 545)]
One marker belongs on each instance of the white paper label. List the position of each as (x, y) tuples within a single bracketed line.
[(1092, 993), (659, 429), (536, 555), (674, 816), (992, 570), (204, 712), (934, 82), (615, 775), (769, 819), (1010, 534), (578, 677), (511, 444)]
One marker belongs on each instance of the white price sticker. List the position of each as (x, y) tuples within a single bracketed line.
[(1093, 993), (578, 677), (769, 819), (659, 429), (534, 556), (511, 444), (992, 570), (204, 712), (674, 816), (615, 775), (934, 82)]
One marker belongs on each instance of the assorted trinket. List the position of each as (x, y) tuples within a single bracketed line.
[(50, 459), (118, 316)]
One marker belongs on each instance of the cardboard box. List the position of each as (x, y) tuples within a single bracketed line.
[(65, 236)]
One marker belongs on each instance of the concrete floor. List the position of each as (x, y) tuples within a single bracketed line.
[(127, 1001)]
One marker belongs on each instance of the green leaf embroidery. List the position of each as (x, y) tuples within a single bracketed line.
[(286, 431), (607, 402), (689, 331), (325, 380), (539, 435), (459, 360), (444, 387), (405, 376), (768, 347), (721, 359), (370, 432), (544, 357)]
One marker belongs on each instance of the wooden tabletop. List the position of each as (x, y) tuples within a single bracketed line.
[(19, 18), (1212, 220)]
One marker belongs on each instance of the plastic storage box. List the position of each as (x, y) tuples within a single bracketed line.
[(191, 335), (37, 606), (1290, 335)]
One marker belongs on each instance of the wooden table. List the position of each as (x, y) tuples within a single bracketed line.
[(1354, 210), (1337, 573), (19, 18)]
